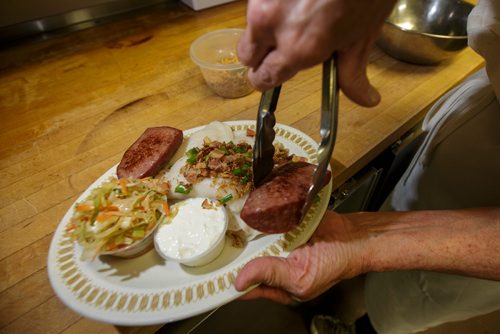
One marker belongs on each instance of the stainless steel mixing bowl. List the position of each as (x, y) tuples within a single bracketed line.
[(425, 31)]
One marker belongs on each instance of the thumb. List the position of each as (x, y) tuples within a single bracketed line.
[(269, 270), (353, 78)]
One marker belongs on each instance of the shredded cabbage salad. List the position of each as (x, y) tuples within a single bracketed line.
[(119, 213)]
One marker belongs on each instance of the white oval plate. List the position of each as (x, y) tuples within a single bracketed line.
[(149, 290)]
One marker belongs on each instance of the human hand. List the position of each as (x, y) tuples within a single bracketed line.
[(308, 271), (284, 37)]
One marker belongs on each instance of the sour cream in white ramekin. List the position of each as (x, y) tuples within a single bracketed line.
[(195, 234)]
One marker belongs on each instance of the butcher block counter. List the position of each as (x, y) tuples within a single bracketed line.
[(72, 104)]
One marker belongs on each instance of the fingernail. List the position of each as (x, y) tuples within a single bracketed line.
[(265, 77), (260, 79)]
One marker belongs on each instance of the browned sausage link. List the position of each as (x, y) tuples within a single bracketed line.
[(275, 206), (150, 152)]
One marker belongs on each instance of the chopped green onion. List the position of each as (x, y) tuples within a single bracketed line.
[(119, 239), (182, 189), (97, 202), (239, 172), (244, 180), (226, 198), (192, 154), (138, 233), (240, 149), (224, 149)]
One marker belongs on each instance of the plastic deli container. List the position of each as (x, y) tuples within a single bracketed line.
[(215, 54)]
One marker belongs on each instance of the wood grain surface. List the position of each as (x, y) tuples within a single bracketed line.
[(71, 105)]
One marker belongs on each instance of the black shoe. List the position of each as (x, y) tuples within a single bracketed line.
[(325, 324)]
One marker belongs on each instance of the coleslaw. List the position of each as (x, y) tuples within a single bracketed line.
[(117, 214)]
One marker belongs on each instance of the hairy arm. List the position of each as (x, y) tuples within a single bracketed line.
[(463, 242)]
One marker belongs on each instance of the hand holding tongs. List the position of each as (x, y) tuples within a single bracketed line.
[(264, 150)]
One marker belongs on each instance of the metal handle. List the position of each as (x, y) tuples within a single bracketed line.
[(328, 127)]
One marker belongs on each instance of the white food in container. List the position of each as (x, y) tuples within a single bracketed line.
[(195, 234)]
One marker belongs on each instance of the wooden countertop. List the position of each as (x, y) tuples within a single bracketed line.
[(71, 105)]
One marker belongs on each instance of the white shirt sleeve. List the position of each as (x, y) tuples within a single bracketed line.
[(483, 30)]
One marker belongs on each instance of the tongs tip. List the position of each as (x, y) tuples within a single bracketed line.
[(263, 152)]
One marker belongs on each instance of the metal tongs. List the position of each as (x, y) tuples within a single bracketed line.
[(264, 150)]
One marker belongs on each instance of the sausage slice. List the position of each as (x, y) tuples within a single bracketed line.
[(150, 152), (275, 206)]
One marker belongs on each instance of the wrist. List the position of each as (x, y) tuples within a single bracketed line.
[(361, 245), (349, 243), (380, 241)]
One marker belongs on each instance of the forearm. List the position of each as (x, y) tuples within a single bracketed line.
[(463, 242)]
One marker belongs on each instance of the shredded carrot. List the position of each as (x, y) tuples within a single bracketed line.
[(123, 185), (71, 227), (105, 215), (110, 208), (84, 207), (166, 208), (113, 246)]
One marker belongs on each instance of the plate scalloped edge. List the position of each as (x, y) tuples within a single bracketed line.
[(129, 306)]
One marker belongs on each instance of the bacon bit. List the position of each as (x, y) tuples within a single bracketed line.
[(200, 165), (231, 59), (216, 165), (237, 241), (250, 132), (219, 160), (206, 204), (84, 207), (166, 208), (216, 154), (123, 185), (163, 187), (191, 175)]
